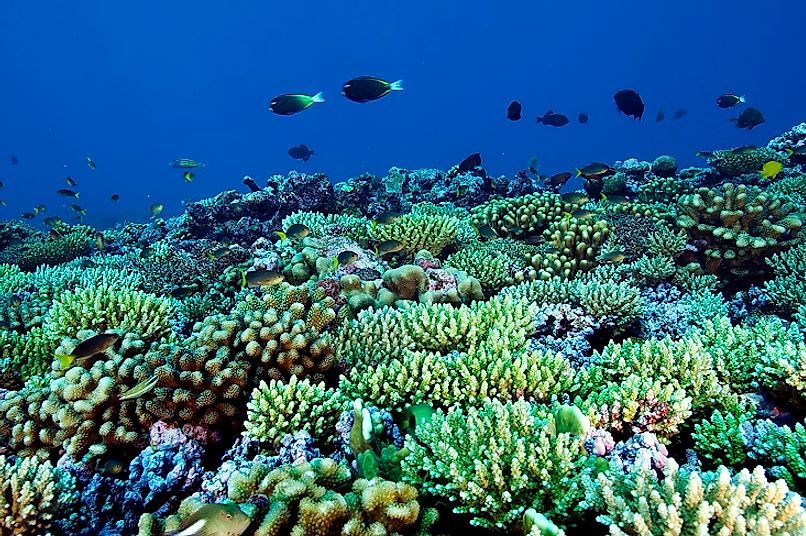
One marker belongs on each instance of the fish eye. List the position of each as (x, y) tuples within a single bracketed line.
[(229, 516)]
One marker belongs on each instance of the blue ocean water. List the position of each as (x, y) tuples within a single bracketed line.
[(136, 85)]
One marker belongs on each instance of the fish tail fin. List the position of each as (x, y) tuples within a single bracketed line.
[(539, 119), (397, 85), (281, 234), (741, 98), (65, 360), (789, 151), (77, 194), (579, 173), (243, 279), (318, 97)]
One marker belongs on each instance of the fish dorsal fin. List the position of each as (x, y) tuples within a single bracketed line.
[(549, 112)]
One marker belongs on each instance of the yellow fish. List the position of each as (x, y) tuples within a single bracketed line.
[(140, 389), (771, 169)]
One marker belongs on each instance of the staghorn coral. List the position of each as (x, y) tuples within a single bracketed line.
[(33, 252), (29, 354), (787, 289)]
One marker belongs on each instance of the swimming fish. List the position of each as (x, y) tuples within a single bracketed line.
[(680, 113), (182, 292), (142, 388), (297, 231), (388, 247), (14, 160), (470, 163), (615, 257), (369, 88), (28, 215), (553, 119), (110, 467), (594, 170), (54, 235), (559, 179), (39, 209), (388, 217), (290, 104), (347, 257), (88, 348), (91, 163), (156, 209), (729, 100), (301, 152), (71, 182), (50, 221), (629, 102), (2, 203), (185, 163), (575, 198), (749, 119), (582, 118), (214, 520), (67, 193), (583, 214), (485, 231), (708, 155), (514, 111), (261, 278), (797, 154), (114, 197), (218, 253), (770, 169), (251, 184), (188, 176), (78, 209), (100, 241), (660, 116)]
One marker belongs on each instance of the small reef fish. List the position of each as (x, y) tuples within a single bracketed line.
[(28, 215), (91, 163), (388, 217), (301, 152), (218, 253), (661, 116), (708, 155), (297, 231), (771, 169), (1, 185), (251, 184), (50, 221), (388, 247), (39, 209), (71, 182), (485, 231), (214, 520), (553, 119), (182, 292), (559, 179), (594, 170), (532, 167), (100, 241), (369, 88), (2, 203), (347, 257), (114, 197), (54, 235), (615, 257), (749, 119), (576, 198), (97, 344), (110, 467), (583, 214), (629, 102), (680, 113), (470, 163), (67, 193), (156, 209), (745, 149), (797, 154), (614, 199), (261, 278), (514, 111), (290, 104), (188, 176), (583, 118), (729, 100), (142, 388), (185, 163)]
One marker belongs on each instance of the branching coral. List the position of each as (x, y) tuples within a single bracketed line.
[(38, 251), (577, 244), (528, 215), (787, 289), (422, 228)]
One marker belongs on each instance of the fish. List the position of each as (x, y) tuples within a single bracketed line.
[(616, 257), (91, 163), (214, 520), (388, 217), (261, 278), (100, 241), (2, 203), (251, 184), (594, 170), (68, 193), (771, 169), (514, 111), (290, 103), (50, 221), (583, 117), (680, 113), (388, 247), (185, 163), (575, 198), (298, 231), (615, 199), (142, 388), (369, 88), (39, 209), (28, 215), (729, 100), (188, 176), (87, 263), (559, 179), (470, 163), (583, 214), (745, 149), (347, 257), (97, 344), (1, 185), (797, 154), (182, 292), (16, 300), (553, 119), (301, 152), (485, 231), (110, 467), (14, 160), (54, 235), (114, 197), (660, 117), (532, 165), (708, 155), (71, 182), (156, 209), (218, 253), (749, 119), (629, 102)]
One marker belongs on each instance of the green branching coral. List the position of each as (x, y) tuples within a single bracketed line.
[(494, 263), (783, 450), (30, 353), (12, 279), (664, 190), (689, 502), (35, 497), (719, 440), (496, 461), (277, 409), (787, 289), (732, 163), (321, 225), (422, 228), (741, 225), (43, 250), (103, 308), (528, 215), (577, 243)]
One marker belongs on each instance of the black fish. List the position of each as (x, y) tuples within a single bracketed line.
[(660, 116), (470, 163), (629, 103), (115, 197), (293, 103), (301, 152), (680, 113), (558, 179), (729, 100), (251, 184), (552, 119), (582, 117), (369, 88), (14, 160), (514, 111), (749, 118)]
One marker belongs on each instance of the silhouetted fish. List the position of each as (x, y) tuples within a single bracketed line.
[(660, 116), (553, 119), (629, 103), (729, 100), (471, 162), (514, 111), (369, 88), (680, 113), (749, 119), (301, 152), (14, 160), (582, 117), (290, 104), (251, 184)]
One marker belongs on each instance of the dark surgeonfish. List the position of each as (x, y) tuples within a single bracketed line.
[(749, 119), (729, 100), (553, 119), (470, 163), (369, 88), (629, 103), (660, 117), (514, 111), (293, 103), (301, 152), (583, 117), (251, 184)]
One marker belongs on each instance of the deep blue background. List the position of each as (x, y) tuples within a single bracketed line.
[(138, 84)]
